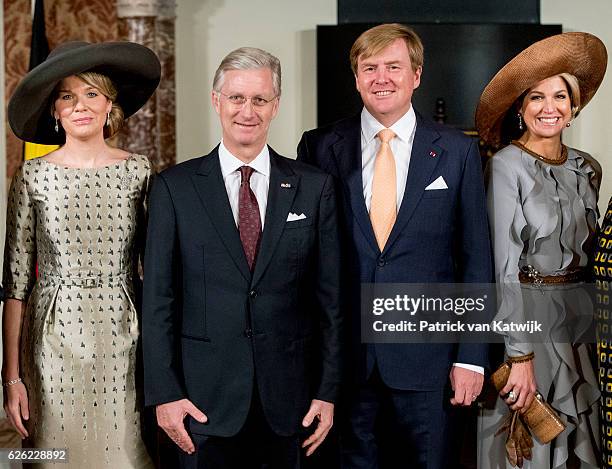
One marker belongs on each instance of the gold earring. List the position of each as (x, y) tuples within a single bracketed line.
[(108, 119)]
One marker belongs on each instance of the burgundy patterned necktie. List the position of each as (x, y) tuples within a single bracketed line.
[(249, 219)]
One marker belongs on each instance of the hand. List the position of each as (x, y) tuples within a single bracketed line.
[(324, 411), (170, 417), (16, 407), (523, 385), (467, 385)]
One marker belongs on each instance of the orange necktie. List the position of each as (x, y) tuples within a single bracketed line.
[(383, 207)]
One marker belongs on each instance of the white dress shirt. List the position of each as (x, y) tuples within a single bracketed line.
[(260, 179), (401, 146)]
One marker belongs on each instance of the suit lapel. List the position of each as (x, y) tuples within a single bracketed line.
[(280, 199), (211, 190), (422, 165), (347, 153)]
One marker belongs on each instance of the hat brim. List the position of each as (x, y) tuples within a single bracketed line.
[(580, 54), (134, 69)]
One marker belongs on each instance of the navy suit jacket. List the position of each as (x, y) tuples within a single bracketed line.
[(212, 330), (440, 236)]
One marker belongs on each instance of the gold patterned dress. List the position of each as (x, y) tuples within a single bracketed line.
[(602, 266), (84, 229)]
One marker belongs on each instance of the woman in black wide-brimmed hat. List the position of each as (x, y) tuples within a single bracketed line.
[(70, 333), (542, 205)]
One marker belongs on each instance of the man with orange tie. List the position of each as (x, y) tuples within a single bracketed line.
[(413, 211)]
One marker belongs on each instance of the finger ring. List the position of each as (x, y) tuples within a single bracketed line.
[(511, 396)]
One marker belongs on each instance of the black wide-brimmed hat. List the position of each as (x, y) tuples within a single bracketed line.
[(134, 69), (581, 54)]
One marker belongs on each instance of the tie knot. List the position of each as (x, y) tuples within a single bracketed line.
[(386, 135), (245, 173)]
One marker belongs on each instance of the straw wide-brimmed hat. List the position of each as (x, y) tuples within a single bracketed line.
[(134, 69), (581, 54)]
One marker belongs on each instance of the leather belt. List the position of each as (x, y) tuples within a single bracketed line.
[(529, 274)]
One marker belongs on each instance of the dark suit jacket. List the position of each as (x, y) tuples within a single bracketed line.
[(211, 330), (439, 236)]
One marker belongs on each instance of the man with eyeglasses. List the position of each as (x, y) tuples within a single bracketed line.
[(241, 322)]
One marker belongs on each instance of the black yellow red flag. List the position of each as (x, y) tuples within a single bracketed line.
[(39, 50)]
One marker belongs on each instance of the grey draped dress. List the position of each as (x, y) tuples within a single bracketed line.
[(545, 216), (83, 229)]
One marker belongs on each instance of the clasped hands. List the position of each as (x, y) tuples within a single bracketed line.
[(171, 416)]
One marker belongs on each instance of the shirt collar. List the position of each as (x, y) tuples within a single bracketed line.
[(403, 128), (229, 163)]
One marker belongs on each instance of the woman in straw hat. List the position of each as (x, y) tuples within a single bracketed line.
[(542, 199), (70, 333)]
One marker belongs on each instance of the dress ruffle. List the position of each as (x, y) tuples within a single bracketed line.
[(545, 203), (545, 216)]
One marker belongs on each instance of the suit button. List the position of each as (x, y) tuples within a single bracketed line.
[(382, 262), (248, 333), (252, 293)]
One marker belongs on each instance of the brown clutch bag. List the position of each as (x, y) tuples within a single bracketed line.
[(540, 417)]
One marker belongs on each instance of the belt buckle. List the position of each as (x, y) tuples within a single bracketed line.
[(532, 273), (90, 283)]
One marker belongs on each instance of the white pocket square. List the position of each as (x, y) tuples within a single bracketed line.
[(294, 216), (438, 184)]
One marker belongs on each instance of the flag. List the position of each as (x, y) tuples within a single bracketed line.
[(39, 50)]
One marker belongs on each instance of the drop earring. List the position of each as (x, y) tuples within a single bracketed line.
[(520, 119), (56, 126), (108, 119)]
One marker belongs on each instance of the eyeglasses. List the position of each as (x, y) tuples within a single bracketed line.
[(238, 100)]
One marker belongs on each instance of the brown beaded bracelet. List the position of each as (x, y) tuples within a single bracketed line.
[(521, 358)]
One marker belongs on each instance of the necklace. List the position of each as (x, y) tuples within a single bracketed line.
[(556, 162)]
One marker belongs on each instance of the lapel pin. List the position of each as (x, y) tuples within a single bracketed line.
[(433, 154), (285, 185)]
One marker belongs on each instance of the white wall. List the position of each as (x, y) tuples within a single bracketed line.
[(206, 30), (592, 131), (209, 29)]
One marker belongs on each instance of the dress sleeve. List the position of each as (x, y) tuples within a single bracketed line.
[(144, 210), (507, 221), (20, 243)]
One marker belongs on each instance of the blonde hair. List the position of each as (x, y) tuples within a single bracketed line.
[(573, 87), (106, 86), (375, 39)]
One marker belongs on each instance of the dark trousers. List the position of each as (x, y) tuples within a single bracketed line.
[(255, 446), (387, 428)]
